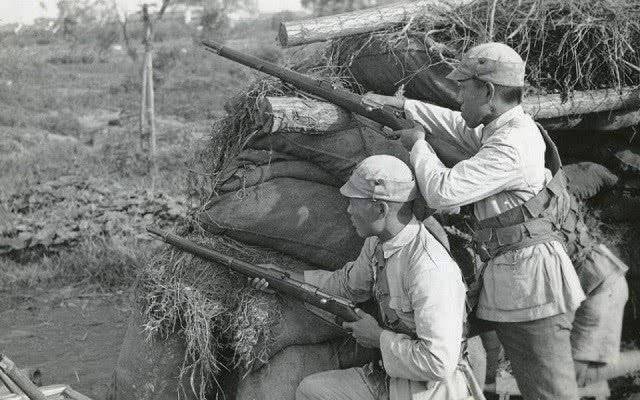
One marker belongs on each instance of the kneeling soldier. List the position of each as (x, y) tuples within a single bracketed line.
[(417, 286)]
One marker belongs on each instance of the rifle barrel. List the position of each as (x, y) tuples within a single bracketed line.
[(280, 281), (316, 87)]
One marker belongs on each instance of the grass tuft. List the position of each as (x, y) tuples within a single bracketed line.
[(225, 323), (568, 44)]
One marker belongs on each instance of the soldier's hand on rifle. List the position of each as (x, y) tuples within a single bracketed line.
[(409, 137), (260, 284), (375, 101), (366, 330), (588, 372)]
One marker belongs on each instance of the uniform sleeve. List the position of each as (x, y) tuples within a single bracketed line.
[(437, 299), (444, 123), (353, 281), (494, 168)]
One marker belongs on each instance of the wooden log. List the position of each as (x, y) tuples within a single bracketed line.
[(293, 114), (50, 390), (10, 385), (295, 33), (9, 368), (74, 395), (584, 102)]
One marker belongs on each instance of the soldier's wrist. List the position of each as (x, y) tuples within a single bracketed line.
[(396, 102)]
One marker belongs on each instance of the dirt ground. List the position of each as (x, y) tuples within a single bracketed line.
[(72, 337)]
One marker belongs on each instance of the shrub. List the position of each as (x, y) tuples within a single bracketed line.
[(61, 123), (72, 59)]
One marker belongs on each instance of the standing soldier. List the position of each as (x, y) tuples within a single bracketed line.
[(530, 290)]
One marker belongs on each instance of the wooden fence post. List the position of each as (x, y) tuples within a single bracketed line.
[(148, 99)]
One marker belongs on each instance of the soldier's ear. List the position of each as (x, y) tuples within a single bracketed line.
[(382, 208), (491, 91)]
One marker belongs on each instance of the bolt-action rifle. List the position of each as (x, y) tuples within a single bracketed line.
[(447, 149), (317, 87), (281, 281)]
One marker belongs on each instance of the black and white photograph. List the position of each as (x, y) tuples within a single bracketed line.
[(319, 199)]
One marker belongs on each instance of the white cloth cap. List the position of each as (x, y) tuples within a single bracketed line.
[(491, 62), (381, 177)]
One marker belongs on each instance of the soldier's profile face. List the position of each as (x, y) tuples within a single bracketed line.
[(364, 216), (472, 95)]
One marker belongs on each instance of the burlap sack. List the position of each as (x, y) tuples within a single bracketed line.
[(300, 218), (338, 152), (381, 69)]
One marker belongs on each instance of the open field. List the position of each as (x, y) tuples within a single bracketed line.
[(75, 193)]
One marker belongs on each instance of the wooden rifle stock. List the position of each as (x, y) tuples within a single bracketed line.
[(278, 280)]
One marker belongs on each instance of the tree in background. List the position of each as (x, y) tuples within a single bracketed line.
[(215, 15), (123, 21), (73, 13), (147, 103), (328, 7)]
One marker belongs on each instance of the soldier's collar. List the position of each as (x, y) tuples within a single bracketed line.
[(406, 235), (491, 127)]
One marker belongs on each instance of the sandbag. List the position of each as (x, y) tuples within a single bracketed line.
[(587, 179), (250, 158), (252, 175), (148, 370), (304, 219), (280, 378), (299, 325), (627, 159), (338, 152), (261, 157), (616, 206), (300, 218), (382, 70)]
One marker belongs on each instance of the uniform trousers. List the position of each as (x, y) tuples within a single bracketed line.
[(540, 355)]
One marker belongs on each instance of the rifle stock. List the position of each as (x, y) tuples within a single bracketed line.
[(278, 280)]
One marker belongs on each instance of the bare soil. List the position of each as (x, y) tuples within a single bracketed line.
[(72, 337)]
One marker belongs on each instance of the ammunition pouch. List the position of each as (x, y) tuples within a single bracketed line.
[(538, 220)]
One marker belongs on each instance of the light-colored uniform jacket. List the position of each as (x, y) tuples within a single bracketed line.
[(506, 169), (427, 293)]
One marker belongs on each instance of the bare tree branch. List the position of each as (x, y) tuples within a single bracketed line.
[(122, 20), (165, 4)]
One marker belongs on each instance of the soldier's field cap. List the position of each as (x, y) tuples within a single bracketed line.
[(381, 177), (491, 62)]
